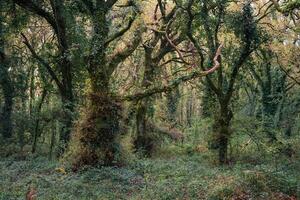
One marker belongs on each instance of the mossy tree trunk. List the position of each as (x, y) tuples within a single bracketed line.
[(99, 126), (222, 128), (6, 110), (6, 85), (208, 101), (60, 17), (38, 120), (172, 105), (144, 111), (144, 142)]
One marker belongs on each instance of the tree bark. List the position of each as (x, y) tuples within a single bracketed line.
[(222, 127), (144, 142), (37, 121), (99, 127), (6, 111), (172, 105), (7, 87)]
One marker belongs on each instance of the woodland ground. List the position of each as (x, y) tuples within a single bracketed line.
[(177, 173)]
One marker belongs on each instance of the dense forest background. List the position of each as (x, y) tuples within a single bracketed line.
[(149, 99)]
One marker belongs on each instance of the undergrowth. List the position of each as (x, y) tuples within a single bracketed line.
[(185, 176), (188, 170)]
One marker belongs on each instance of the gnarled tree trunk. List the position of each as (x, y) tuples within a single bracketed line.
[(99, 126), (144, 142)]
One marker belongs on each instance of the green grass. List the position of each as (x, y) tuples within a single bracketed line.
[(185, 176)]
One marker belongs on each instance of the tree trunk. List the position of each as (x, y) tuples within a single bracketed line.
[(268, 109), (37, 121), (189, 110), (172, 105), (223, 150), (272, 95), (144, 142), (66, 65), (207, 101), (7, 88), (99, 128), (55, 129), (67, 120), (222, 128)]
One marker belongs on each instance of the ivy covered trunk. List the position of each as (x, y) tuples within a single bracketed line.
[(172, 104), (99, 126), (99, 129), (67, 118), (207, 103), (222, 125), (271, 83), (144, 141)]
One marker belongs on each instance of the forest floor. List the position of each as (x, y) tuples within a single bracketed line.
[(185, 176)]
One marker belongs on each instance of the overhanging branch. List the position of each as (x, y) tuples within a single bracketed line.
[(173, 84), (33, 7), (120, 56)]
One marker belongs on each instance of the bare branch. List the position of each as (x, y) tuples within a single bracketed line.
[(43, 62), (288, 75), (162, 9)]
